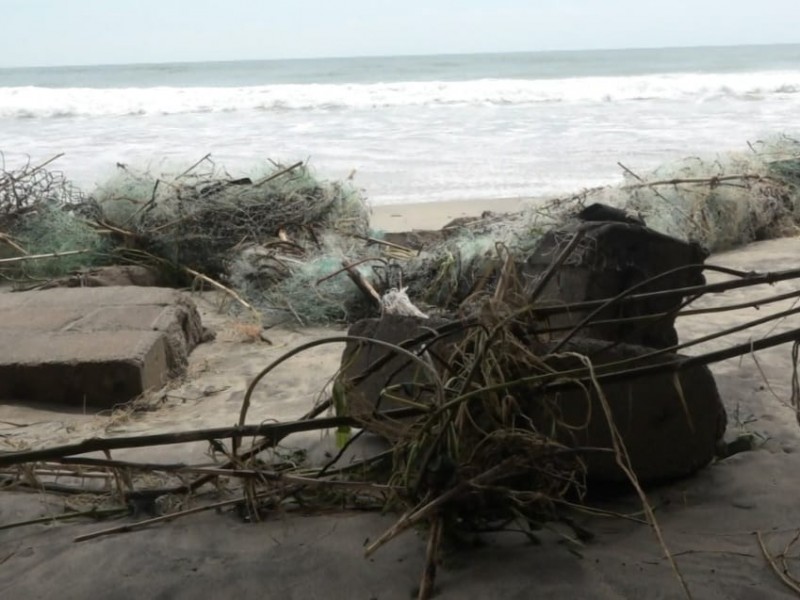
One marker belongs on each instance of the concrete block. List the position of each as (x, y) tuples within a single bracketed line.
[(97, 368), (93, 346)]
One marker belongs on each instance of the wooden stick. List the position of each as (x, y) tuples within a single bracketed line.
[(350, 265), (95, 512), (431, 557), (278, 174), (13, 244), (582, 375), (220, 287), (684, 313), (259, 447), (27, 257), (372, 240), (363, 285), (278, 476), (105, 463), (706, 180), (193, 167), (629, 172), (176, 515), (219, 471), (694, 361)]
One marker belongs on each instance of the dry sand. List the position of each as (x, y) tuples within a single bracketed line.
[(709, 521)]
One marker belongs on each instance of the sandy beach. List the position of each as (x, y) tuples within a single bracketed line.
[(711, 522), (435, 215)]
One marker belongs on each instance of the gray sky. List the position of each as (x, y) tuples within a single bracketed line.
[(60, 32)]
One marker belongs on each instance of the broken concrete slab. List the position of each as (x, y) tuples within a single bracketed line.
[(93, 346)]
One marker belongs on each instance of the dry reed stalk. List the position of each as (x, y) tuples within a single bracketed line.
[(128, 527), (782, 573)]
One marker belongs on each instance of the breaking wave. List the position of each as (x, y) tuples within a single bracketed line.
[(42, 102)]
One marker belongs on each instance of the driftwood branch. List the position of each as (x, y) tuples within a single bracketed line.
[(363, 285), (278, 174), (216, 284), (697, 180), (274, 432)]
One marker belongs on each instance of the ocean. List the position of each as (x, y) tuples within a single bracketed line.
[(415, 128)]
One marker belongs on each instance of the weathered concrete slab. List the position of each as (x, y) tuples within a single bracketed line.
[(93, 346)]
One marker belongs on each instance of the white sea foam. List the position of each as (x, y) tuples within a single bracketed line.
[(414, 128), (40, 102)]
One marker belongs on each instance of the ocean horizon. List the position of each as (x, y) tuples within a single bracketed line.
[(413, 128)]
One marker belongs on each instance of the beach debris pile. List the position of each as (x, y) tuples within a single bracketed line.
[(566, 374), (499, 420), (37, 220), (263, 240), (284, 245), (669, 423)]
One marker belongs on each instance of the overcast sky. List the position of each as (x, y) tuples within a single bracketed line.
[(61, 32)]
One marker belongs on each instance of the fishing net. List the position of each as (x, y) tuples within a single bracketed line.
[(25, 188), (468, 260), (56, 230), (308, 289), (270, 236), (290, 244), (202, 219), (37, 217), (720, 202)]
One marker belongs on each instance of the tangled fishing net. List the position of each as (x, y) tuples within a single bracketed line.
[(271, 236), (291, 245), (721, 203), (37, 216)]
